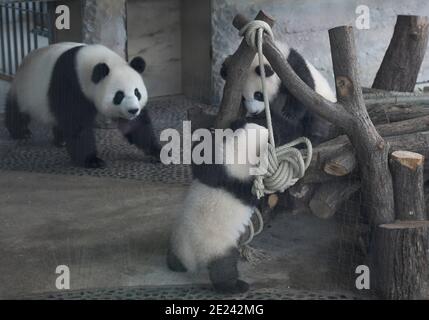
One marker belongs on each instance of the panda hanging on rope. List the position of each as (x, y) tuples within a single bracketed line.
[(65, 85), (290, 118)]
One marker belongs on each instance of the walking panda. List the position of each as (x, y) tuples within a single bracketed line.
[(291, 119), (217, 209), (65, 85)]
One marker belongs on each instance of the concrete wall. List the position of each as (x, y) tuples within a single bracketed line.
[(304, 24), (154, 32), (196, 49), (104, 22)]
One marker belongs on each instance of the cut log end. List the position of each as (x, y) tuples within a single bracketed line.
[(336, 169), (408, 159), (321, 209), (273, 200), (410, 224), (408, 182)]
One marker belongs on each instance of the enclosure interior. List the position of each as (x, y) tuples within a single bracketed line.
[(111, 226)]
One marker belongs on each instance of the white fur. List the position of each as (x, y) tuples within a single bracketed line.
[(212, 219), (31, 83), (121, 77), (253, 84), (210, 224)]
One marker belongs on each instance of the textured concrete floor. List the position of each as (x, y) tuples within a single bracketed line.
[(113, 233)]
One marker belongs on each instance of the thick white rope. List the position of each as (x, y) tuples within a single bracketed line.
[(286, 164)]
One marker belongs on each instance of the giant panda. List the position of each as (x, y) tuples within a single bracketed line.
[(291, 119), (217, 209), (65, 85)]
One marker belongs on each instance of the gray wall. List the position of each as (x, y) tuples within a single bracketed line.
[(154, 33), (304, 24), (104, 23)]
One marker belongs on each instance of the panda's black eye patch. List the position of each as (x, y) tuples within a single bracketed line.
[(138, 94), (259, 96), (268, 70), (119, 96)]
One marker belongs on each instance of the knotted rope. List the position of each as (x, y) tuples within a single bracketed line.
[(286, 164)]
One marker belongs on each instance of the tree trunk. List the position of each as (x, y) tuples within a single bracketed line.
[(402, 260), (404, 56), (407, 175)]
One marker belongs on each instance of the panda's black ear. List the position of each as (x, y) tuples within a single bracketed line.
[(100, 71), (268, 70), (138, 64)]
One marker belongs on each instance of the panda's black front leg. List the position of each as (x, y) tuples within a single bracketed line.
[(224, 274), (58, 140), (80, 144)]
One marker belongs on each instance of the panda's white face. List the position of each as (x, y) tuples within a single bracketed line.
[(253, 98), (122, 94)]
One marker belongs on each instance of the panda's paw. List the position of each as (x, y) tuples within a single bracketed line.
[(239, 286), (93, 162)]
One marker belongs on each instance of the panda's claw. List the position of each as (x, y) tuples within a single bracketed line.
[(93, 162)]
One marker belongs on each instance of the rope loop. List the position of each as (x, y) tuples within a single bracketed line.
[(250, 30)]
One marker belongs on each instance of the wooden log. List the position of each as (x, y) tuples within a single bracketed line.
[(407, 175), (341, 165), (404, 56), (341, 160), (387, 113), (329, 197), (402, 260), (298, 197), (404, 127), (383, 97)]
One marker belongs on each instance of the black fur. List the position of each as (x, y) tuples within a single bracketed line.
[(58, 140), (174, 263), (224, 274), (268, 70), (16, 122), (216, 176), (138, 64), (223, 72), (140, 132), (298, 120), (100, 71), (75, 114)]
